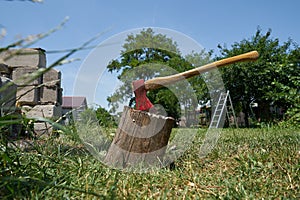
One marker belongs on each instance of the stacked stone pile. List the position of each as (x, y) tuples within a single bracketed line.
[(38, 94)]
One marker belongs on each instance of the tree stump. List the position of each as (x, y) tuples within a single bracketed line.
[(140, 141)]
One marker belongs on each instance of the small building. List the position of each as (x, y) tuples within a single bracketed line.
[(72, 106)]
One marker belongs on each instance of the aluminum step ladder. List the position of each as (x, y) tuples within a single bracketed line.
[(223, 107)]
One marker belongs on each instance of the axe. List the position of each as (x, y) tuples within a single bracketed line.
[(140, 87)]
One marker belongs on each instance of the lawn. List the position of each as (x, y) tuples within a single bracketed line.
[(245, 164)]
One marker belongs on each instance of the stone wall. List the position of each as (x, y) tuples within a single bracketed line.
[(38, 94)]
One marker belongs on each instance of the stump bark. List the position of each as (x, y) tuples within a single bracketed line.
[(140, 141)]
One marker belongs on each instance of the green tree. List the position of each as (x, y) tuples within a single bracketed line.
[(147, 55), (285, 88), (105, 118), (199, 83), (101, 115), (265, 81)]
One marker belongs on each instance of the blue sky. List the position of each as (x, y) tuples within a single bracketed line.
[(208, 22)]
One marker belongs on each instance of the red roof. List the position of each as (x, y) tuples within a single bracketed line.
[(73, 101)]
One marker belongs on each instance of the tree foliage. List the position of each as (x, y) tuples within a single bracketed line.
[(147, 55), (272, 80), (105, 118)]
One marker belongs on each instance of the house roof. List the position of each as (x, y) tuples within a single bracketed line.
[(73, 101)]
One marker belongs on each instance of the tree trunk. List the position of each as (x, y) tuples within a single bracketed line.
[(246, 112), (140, 141)]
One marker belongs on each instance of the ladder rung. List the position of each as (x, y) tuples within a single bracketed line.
[(222, 105)]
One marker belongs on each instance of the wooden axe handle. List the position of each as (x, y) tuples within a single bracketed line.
[(158, 82)]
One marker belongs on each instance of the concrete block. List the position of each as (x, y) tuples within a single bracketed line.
[(23, 76), (45, 111), (28, 95), (60, 93), (4, 69), (51, 91), (8, 94), (49, 94), (33, 58), (52, 75), (42, 128)]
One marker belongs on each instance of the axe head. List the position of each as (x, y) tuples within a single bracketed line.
[(141, 100)]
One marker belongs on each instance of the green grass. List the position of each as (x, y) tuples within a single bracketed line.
[(245, 164)]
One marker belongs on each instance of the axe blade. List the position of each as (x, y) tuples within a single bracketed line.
[(141, 100)]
